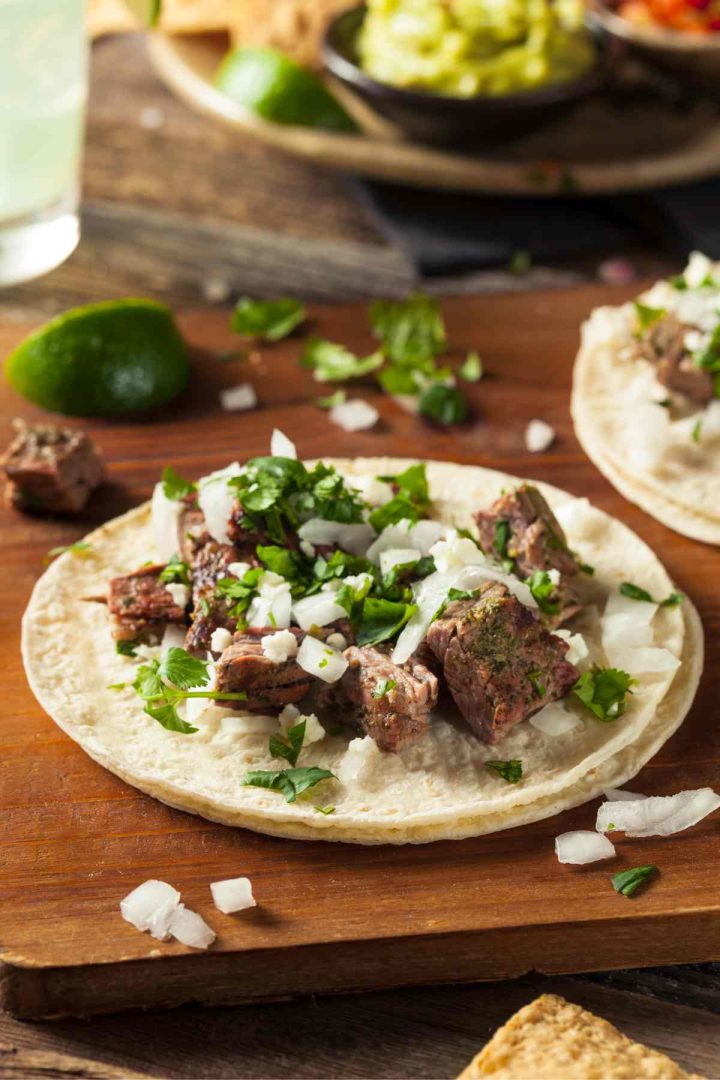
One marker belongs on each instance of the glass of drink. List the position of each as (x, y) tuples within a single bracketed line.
[(43, 90)]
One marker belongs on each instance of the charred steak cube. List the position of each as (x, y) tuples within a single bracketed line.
[(500, 663), (521, 527), (389, 703), (269, 684), (141, 607), (50, 469), (210, 611), (663, 344)]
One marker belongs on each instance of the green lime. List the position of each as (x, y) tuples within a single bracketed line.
[(106, 359), (277, 89), (147, 11)]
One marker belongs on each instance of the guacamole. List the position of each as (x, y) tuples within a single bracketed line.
[(467, 48)]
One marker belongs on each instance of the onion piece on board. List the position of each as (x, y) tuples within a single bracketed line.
[(658, 815), (234, 894), (189, 928), (147, 906), (582, 847)]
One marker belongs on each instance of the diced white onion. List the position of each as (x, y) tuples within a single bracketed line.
[(577, 646), (150, 907), (555, 719), (307, 549), (314, 731), (456, 552), (318, 659), (354, 415), (280, 646), (337, 641), (238, 569), (421, 536), (180, 593), (220, 640), (233, 895), (582, 847), (539, 436), (618, 795), (624, 632), (173, 638), (353, 538), (320, 609), (238, 398), (273, 604), (361, 756), (699, 269), (190, 929), (281, 446), (658, 815), (165, 517), (639, 611), (374, 491), (711, 420), (288, 716), (643, 661), (397, 557), (216, 499)]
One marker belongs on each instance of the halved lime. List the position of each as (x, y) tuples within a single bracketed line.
[(277, 89), (147, 11), (107, 359)]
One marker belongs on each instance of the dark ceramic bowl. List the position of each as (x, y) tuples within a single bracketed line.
[(478, 122)]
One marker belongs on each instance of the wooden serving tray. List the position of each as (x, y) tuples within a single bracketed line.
[(332, 917)]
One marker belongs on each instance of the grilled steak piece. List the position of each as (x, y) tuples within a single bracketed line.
[(500, 663), (269, 684), (210, 611), (50, 469), (390, 703), (246, 537), (534, 540), (663, 344), (141, 607)]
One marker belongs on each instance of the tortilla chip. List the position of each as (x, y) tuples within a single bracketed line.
[(296, 27), (198, 16), (109, 17), (552, 1039)]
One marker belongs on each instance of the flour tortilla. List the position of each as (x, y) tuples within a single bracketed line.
[(683, 491), (438, 788)]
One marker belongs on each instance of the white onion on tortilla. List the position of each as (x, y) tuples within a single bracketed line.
[(216, 500), (643, 661), (658, 815), (623, 632), (352, 538), (273, 604), (392, 557), (165, 517), (420, 535), (582, 847), (281, 446), (320, 609), (149, 905), (189, 928), (234, 894), (317, 658), (555, 719)]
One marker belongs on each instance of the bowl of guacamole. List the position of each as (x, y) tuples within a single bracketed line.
[(480, 71)]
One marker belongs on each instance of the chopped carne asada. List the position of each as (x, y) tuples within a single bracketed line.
[(269, 684), (663, 344), (211, 611), (500, 663), (50, 469), (390, 703), (141, 606), (246, 537), (521, 528)]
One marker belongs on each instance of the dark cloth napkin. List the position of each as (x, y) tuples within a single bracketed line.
[(450, 233)]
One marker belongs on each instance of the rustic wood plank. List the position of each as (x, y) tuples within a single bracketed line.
[(79, 838)]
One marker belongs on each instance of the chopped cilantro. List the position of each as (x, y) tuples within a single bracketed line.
[(383, 688), (471, 370), (335, 363), (444, 404), (324, 810), (634, 592), (511, 771), (176, 570), (411, 501), (126, 648), (269, 320), (80, 547), (501, 540), (290, 747), (164, 684), (116, 686), (382, 620), (338, 398), (288, 564), (543, 590), (173, 485), (412, 331), (520, 263), (290, 782), (696, 433), (628, 882), (534, 678), (603, 692), (678, 282), (648, 316)]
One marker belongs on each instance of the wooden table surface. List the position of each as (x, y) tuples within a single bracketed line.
[(185, 212)]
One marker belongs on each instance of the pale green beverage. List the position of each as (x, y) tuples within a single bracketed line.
[(43, 90)]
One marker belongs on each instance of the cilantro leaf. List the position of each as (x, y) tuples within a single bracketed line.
[(501, 540), (696, 433), (183, 670), (471, 370), (288, 564), (648, 316), (534, 678), (324, 810), (445, 404), (290, 782), (269, 320), (412, 484), (511, 771), (126, 648), (290, 747), (382, 619), (80, 547), (603, 692), (627, 882), (173, 485), (634, 592), (412, 331), (383, 688), (335, 363), (543, 589), (176, 570), (329, 402), (168, 717)]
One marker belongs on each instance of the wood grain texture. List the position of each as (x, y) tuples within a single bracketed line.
[(332, 917)]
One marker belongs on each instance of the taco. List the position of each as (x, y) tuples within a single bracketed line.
[(646, 399), (373, 651)]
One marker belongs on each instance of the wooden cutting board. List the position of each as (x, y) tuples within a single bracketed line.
[(332, 917)]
